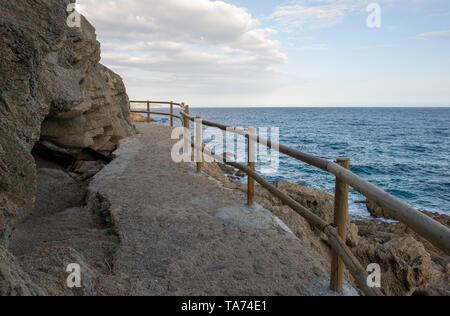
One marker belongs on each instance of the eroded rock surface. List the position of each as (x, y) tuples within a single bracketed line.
[(50, 76), (409, 264), (61, 230), (13, 279), (182, 233)]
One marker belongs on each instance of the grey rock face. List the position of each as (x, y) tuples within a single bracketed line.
[(52, 89)]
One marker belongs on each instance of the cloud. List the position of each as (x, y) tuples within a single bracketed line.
[(317, 14), (314, 14), (434, 35), (209, 42)]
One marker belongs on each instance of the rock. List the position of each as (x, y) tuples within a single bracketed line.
[(57, 191), (320, 203), (47, 267), (98, 116), (13, 280), (381, 232), (215, 171), (83, 166), (377, 211), (240, 174), (405, 264), (227, 169), (139, 118), (53, 90), (299, 226)]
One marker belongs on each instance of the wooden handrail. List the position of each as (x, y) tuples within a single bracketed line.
[(157, 113), (336, 243), (427, 227), (149, 112), (157, 102), (433, 231)]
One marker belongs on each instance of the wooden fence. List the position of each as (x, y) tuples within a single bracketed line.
[(428, 228)]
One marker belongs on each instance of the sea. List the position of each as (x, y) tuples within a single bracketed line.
[(405, 151)]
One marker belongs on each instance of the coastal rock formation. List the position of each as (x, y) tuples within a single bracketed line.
[(404, 263), (410, 265), (13, 280), (378, 232), (377, 211), (139, 118), (53, 92), (61, 231)]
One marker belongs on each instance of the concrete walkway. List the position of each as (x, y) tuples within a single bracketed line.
[(183, 234)]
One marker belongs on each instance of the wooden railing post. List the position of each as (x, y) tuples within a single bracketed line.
[(171, 114), (148, 112), (187, 138), (187, 121), (199, 143), (252, 166), (340, 220), (181, 116)]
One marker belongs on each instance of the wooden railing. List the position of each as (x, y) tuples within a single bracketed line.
[(428, 228), (148, 105)]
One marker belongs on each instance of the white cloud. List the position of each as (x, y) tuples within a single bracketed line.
[(180, 39), (315, 14), (301, 14), (434, 35)]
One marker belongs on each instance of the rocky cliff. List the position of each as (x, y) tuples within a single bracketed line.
[(410, 265), (54, 96)]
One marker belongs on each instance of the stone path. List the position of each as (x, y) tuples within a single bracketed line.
[(183, 234)]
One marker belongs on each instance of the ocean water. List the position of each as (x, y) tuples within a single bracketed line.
[(405, 151)]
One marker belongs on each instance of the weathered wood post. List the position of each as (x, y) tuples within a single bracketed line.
[(252, 166), (340, 220), (171, 114), (199, 143), (148, 112), (187, 121), (187, 136), (181, 116)]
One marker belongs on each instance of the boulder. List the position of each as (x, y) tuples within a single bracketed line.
[(379, 232), (377, 211), (404, 262)]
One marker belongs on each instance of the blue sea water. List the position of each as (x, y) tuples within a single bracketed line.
[(405, 151)]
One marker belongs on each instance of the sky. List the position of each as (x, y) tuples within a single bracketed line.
[(278, 52)]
